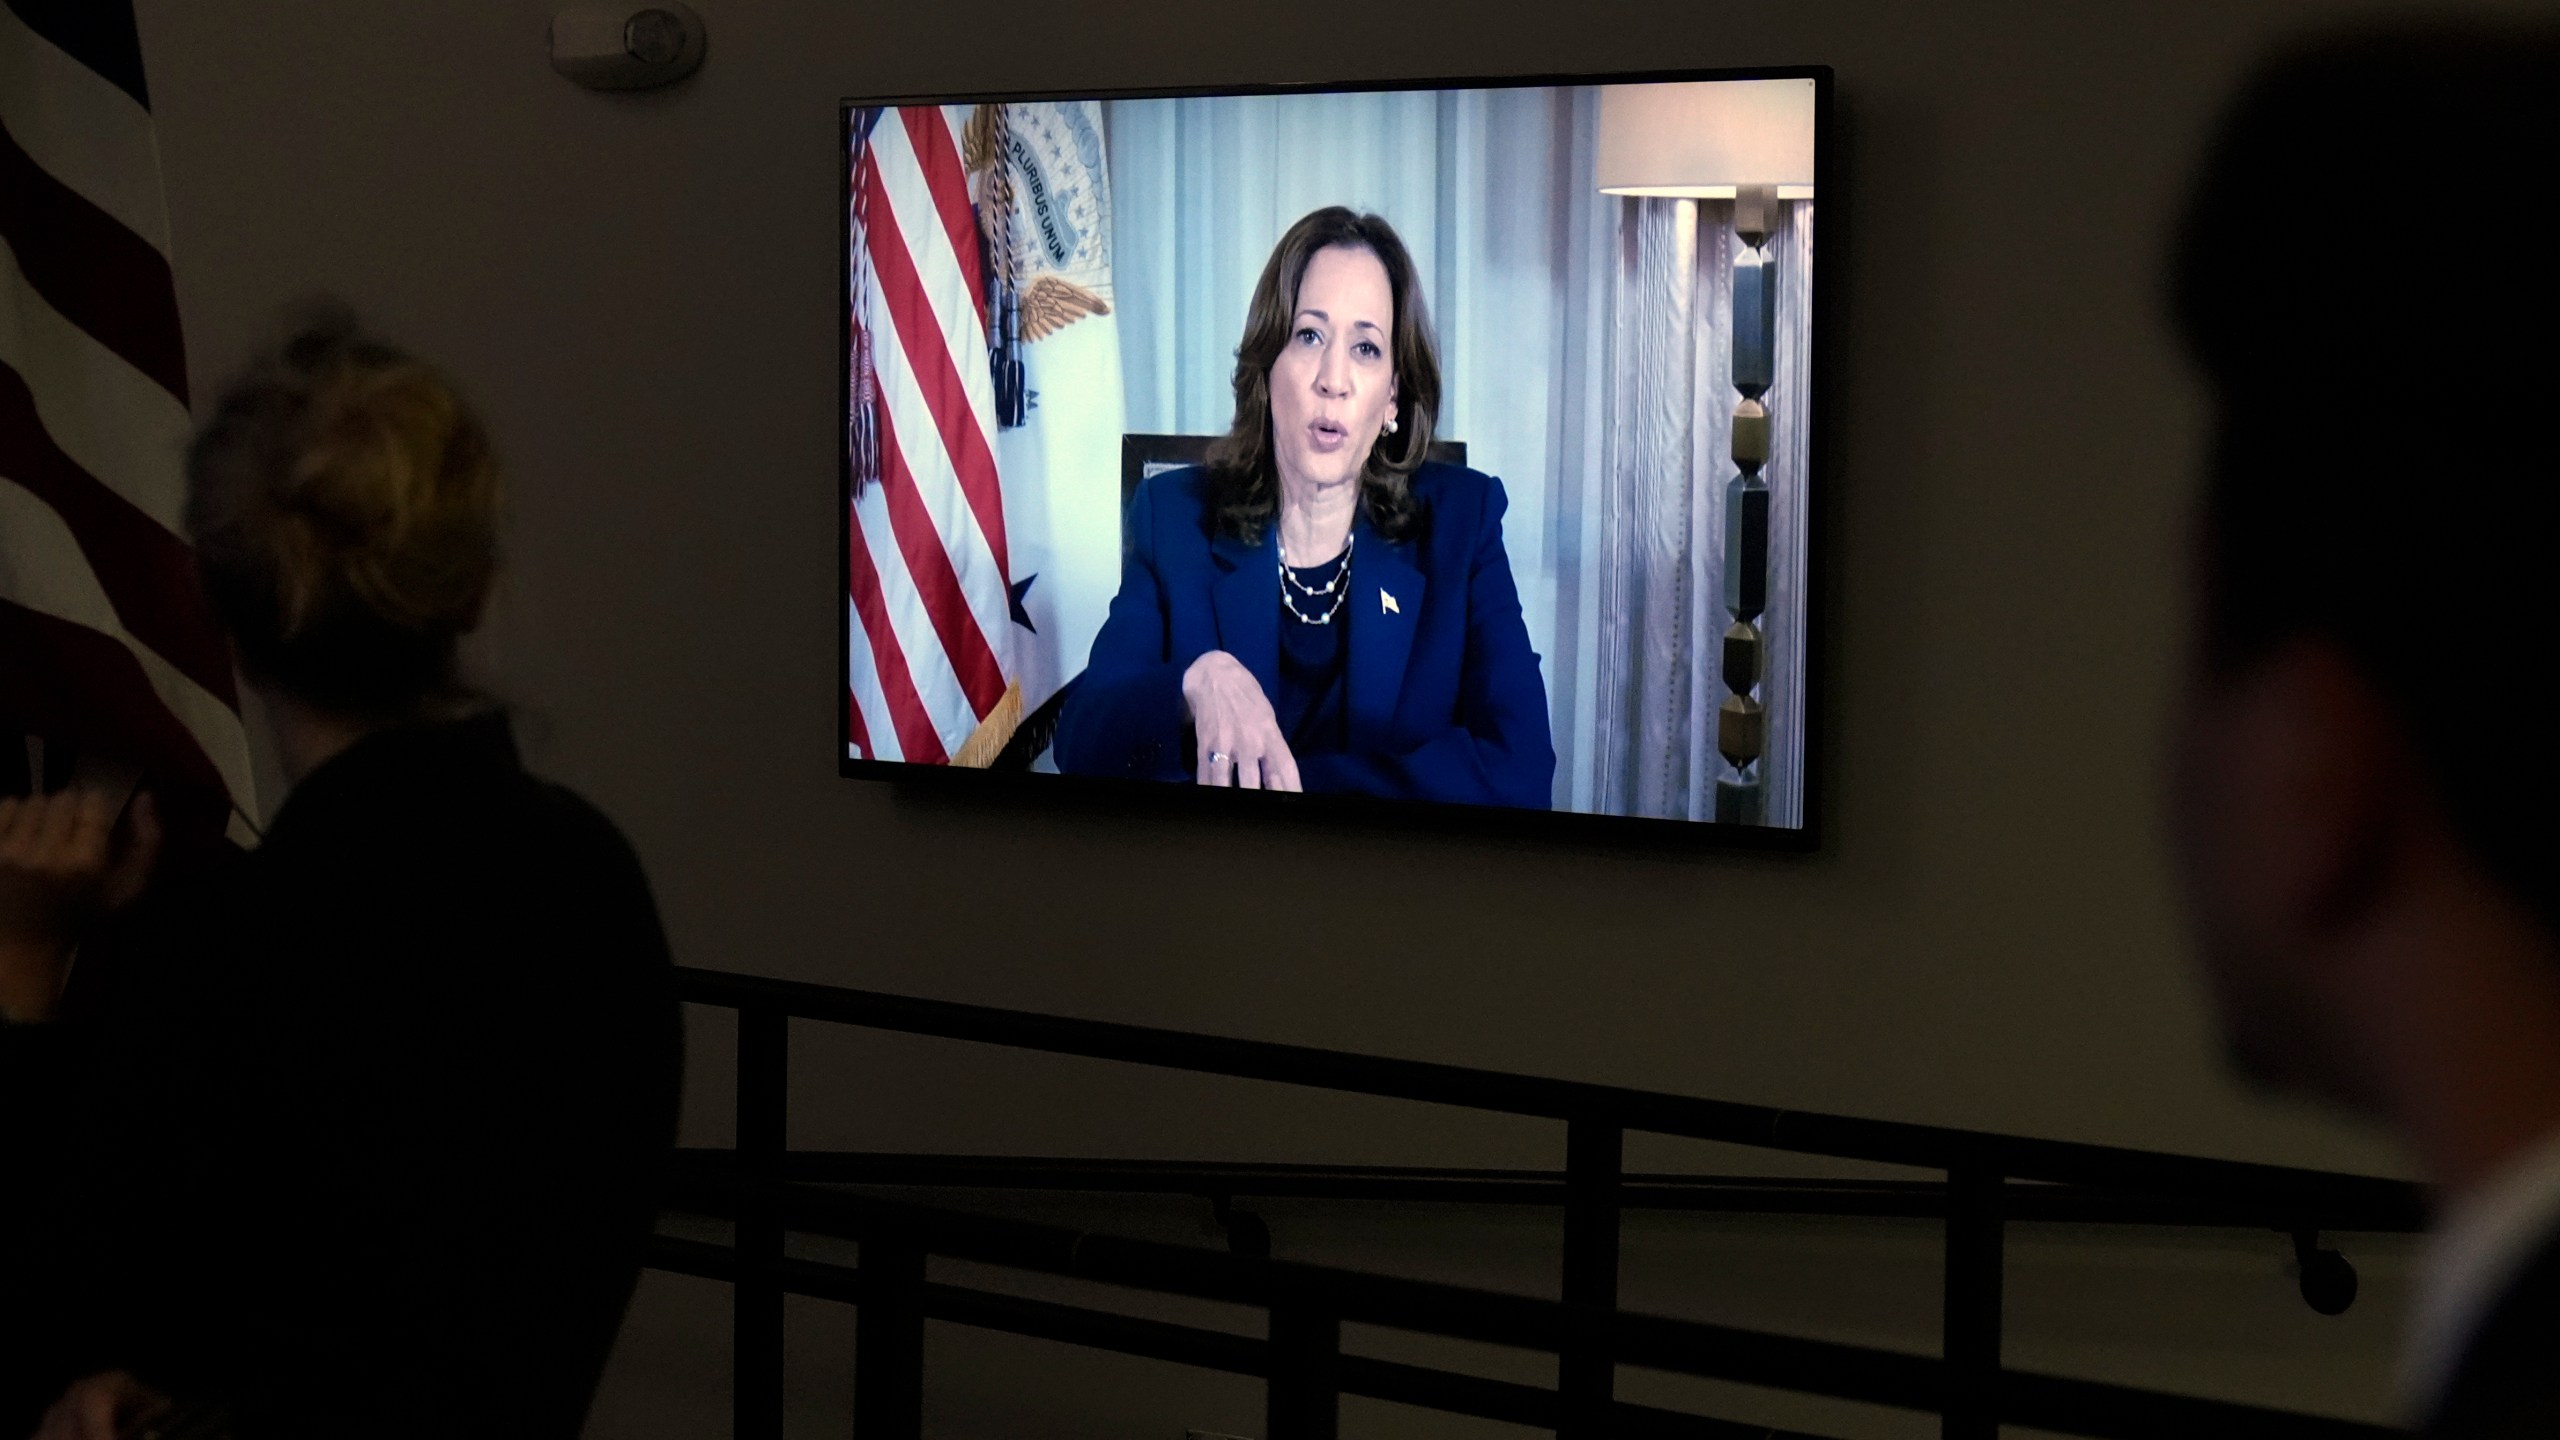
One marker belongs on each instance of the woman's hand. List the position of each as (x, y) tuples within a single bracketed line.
[(1240, 740), (64, 861), (108, 1406)]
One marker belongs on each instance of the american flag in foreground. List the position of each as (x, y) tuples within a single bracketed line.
[(105, 641), (928, 571)]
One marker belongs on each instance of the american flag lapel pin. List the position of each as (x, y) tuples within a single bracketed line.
[(1387, 603)]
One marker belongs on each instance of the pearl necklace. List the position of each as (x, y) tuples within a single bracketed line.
[(1339, 587)]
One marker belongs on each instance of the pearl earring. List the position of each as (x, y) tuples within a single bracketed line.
[(1391, 424)]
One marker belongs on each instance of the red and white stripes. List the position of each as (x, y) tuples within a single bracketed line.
[(104, 637), (930, 610)]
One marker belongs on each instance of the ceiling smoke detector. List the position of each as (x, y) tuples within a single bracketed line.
[(617, 47)]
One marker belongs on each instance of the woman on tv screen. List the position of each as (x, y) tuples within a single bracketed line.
[(1321, 607)]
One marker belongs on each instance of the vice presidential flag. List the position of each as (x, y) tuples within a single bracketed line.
[(1049, 227)]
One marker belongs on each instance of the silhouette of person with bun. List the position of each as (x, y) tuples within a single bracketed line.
[(356, 1134)]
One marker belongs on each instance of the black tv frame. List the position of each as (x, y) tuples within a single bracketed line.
[(1116, 793)]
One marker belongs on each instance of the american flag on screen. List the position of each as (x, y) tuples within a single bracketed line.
[(105, 640), (932, 604)]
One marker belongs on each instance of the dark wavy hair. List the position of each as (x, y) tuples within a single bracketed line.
[(1244, 483)]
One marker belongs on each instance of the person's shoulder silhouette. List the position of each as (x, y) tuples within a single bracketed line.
[(2366, 780), (360, 1131)]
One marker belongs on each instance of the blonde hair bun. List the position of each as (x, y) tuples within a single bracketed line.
[(343, 501)]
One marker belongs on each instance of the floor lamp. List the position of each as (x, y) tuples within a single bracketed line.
[(1751, 142)]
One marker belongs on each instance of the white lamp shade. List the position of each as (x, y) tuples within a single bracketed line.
[(1707, 138)]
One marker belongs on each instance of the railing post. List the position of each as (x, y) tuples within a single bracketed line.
[(1971, 1337), (755, 1331), (888, 1343), (1304, 1397), (1586, 1363)]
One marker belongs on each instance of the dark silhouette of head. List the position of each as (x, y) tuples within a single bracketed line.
[(2368, 275)]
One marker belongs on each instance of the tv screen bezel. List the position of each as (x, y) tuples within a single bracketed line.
[(1121, 792)]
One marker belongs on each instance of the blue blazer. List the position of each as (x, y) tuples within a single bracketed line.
[(1444, 696)]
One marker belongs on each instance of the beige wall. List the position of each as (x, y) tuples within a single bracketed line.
[(641, 292)]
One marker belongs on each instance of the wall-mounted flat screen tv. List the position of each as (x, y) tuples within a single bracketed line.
[(1444, 444)]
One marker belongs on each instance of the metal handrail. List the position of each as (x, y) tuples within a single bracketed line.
[(1804, 1132), (1590, 1335), (1446, 1390), (2038, 1203), (1696, 1348)]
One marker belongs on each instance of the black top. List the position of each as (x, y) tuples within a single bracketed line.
[(1310, 705), (357, 1135), (2505, 1386)]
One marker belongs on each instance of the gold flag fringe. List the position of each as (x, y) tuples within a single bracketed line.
[(993, 733)]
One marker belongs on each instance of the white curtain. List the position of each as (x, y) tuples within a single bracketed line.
[(1790, 401), (1523, 265), (1659, 561)]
